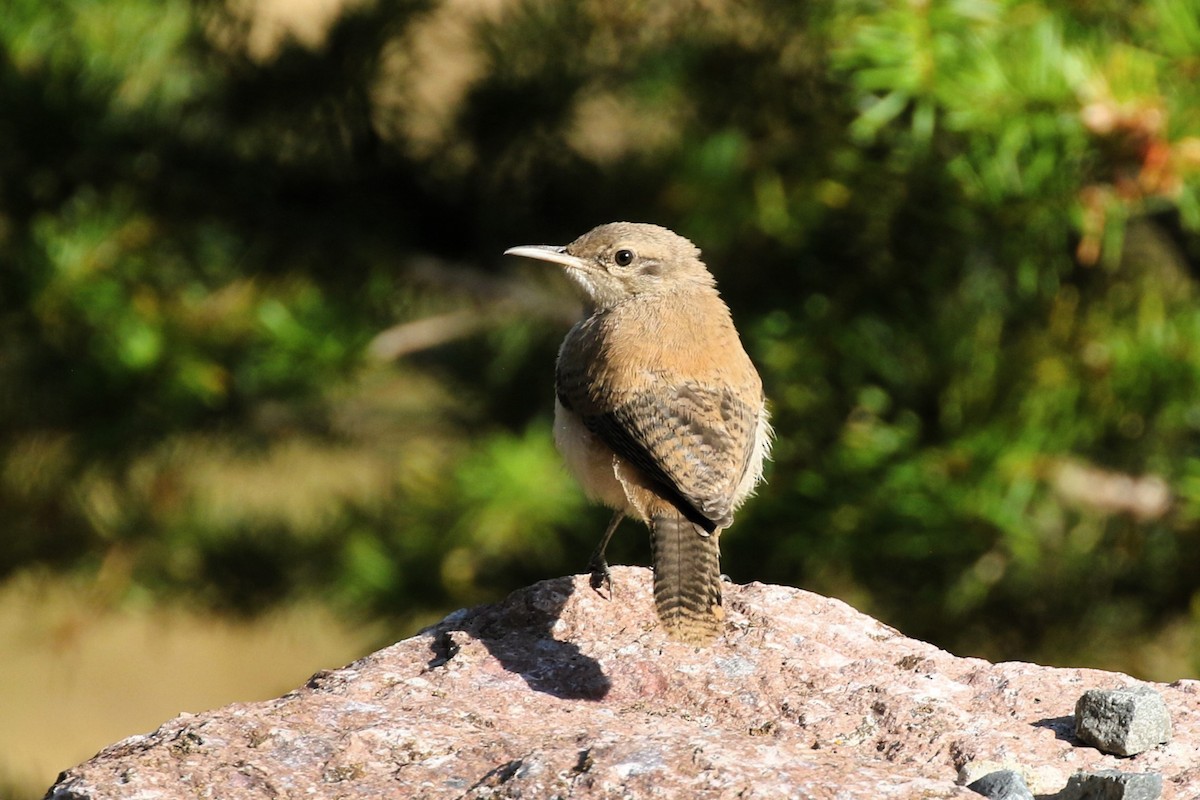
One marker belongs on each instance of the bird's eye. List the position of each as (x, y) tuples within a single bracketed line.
[(624, 257)]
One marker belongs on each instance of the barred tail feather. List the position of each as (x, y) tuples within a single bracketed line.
[(687, 579)]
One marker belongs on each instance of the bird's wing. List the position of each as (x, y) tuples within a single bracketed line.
[(695, 441)]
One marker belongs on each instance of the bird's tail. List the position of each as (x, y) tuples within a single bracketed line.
[(687, 579)]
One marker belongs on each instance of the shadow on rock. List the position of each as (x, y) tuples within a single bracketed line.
[(518, 632), (1063, 727)]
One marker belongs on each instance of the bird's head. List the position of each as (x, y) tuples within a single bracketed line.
[(620, 260)]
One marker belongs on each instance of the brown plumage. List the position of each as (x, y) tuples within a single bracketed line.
[(660, 412)]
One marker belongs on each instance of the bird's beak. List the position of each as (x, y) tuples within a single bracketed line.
[(546, 252)]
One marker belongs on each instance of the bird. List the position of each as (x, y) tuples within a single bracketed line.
[(659, 412)]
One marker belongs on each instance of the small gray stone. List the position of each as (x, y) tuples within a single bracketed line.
[(1109, 784), (1002, 785), (1123, 722)]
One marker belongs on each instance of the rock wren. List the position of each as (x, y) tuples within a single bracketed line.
[(660, 414)]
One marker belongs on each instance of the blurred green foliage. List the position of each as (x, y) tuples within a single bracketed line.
[(960, 239)]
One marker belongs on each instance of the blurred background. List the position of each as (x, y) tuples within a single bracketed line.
[(271, 398)]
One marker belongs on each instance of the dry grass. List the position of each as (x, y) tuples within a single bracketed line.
[(76, 676)]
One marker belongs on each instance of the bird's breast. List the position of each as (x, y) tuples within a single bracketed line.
[(680, 338)]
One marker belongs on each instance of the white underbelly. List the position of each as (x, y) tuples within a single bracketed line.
[(588, 459)]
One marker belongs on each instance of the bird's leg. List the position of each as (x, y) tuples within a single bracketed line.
[(597, 566)]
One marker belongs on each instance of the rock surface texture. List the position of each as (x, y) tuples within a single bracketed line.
[(559, 692)]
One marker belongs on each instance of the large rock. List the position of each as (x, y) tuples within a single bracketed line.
[(558, 691), (1123, 722), (1112, 785)]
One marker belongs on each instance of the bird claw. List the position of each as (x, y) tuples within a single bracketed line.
[(600, 576)]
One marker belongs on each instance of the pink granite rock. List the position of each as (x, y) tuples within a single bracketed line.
[(559, 692)]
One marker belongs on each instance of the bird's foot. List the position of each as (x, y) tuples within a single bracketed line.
[(600, 575)]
